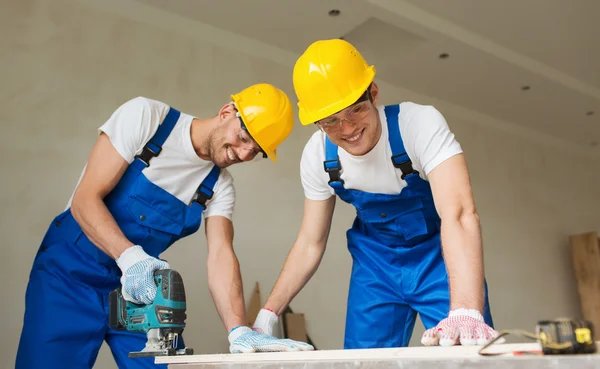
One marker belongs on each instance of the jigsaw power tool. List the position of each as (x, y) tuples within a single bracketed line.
[(163, 321)]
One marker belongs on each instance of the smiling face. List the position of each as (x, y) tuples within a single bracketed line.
[(229, 143), (357, 128)]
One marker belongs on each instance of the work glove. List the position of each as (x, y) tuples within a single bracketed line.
[(245, 340), (462, 326), (265, 322), (137, 280)]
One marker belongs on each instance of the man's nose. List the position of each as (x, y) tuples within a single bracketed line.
[(245, 154), (346, 126)]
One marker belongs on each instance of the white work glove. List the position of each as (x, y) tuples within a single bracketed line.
[(137, 280), (245, 340), (462, 326), (265, 321)]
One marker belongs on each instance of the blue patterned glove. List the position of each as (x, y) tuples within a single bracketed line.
[(137, 280), (244, 340)]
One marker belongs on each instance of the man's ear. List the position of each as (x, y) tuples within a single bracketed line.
[(375, 92), (227, 111)]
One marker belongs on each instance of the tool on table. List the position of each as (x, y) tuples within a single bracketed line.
[(557, 337), (163, 321)]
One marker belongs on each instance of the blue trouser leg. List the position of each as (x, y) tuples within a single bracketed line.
[(428, 291), (389, 287), (65, 322), (66, 314), (377, 316)]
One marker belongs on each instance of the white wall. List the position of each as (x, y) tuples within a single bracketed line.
[(65, 67)]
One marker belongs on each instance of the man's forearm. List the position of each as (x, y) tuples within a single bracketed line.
[(463, 255), (300, 265), (225, 285), (99, 225)]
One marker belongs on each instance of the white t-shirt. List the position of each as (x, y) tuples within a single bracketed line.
[(427, 140), (178, 169)]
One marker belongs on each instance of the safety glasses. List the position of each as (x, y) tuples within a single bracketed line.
[(246, 139), (352, 114)]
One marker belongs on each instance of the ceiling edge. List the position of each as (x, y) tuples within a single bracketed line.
[(146, 14), (401, 8)]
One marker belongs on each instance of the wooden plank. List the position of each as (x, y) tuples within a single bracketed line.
[(434, 353), (585, 252), (254, 305), (288, 310), (504, 362), (296, 327)]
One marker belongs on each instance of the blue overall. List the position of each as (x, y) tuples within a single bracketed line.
[(66, 314), (397, 264)]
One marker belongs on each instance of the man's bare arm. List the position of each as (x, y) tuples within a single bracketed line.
[(224, 277), (104, 169), (460, 233), (306, 254)]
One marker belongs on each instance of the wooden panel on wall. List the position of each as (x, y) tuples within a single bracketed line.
[(254, 305), (296, 327), (585, 252)]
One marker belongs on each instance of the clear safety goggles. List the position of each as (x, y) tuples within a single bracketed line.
[(352, 114), (246, 139)]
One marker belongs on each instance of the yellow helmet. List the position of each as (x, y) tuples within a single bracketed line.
[(328, 77), (266, 112)]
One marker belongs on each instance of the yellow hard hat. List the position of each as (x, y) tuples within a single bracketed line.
[(267, 114), (328, 77)]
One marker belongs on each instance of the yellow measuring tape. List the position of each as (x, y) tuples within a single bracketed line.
[(557, 337)]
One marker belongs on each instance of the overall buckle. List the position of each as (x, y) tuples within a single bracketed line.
[(202, 197), (333, 171), (148, 153), (405, 166)]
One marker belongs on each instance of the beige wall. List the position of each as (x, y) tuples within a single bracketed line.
[(65, 67)]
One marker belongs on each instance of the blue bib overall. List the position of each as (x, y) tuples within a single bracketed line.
[(66, 313), (398, 269)]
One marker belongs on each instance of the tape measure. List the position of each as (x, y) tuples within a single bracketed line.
[(566, 336), (557, 337)]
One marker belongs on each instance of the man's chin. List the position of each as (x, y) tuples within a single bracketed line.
[(222, 164), (354, 150)]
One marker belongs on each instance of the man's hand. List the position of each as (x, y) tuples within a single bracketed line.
[(245, 340), (265, 321), (138, 269), (462, 326)]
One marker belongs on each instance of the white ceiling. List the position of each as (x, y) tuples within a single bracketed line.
[(494, 47)]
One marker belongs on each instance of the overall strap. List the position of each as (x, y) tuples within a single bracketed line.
[(332, 163), (154, 146), (400, 158), (205, 191)]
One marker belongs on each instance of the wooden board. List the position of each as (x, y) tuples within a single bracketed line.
[(420, 352), (585, 252), (288, 310), (254, 305), (296, 327)]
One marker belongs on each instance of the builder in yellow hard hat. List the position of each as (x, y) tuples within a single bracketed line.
[(151, 176), (403, 170)]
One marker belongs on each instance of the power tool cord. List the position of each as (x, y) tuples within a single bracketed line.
[(520, 332)]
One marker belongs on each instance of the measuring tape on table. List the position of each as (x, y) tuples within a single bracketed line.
[(557, 337)]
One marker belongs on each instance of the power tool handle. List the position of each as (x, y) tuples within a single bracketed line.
[(170, 283)]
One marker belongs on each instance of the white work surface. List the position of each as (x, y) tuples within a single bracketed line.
[(459, 357)]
